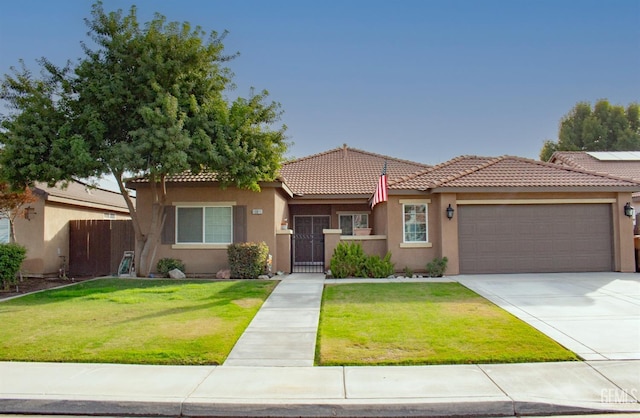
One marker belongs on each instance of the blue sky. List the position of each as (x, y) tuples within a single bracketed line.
[(420, 80)]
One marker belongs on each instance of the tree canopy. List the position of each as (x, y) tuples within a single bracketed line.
[(146, 100), (601, 128), (12, 206)]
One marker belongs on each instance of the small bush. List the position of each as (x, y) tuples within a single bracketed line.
[(437, 267), (165, 265), (408, 272), (347, 260), (376, 267), (248, 260), (11, 258)]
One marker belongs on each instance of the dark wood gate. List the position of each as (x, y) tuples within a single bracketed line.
[(96, 246)]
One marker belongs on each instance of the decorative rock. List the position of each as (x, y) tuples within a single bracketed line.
[(177, 274), (223, 274), (263, 277)]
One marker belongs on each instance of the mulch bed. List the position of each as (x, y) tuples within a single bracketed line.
[(30, 284)]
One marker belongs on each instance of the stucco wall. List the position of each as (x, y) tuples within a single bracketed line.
[(46, 235), (413, 256), (206, 260), (443, 233)]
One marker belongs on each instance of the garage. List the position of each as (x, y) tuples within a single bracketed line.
[(517, 238)]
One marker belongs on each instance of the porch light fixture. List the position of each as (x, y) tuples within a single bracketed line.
[(629, 210), (450, 211), (29, 213)]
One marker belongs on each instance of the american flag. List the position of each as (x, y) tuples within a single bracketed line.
[(380, 194)]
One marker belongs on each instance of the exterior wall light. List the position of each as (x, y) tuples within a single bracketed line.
[(450, 211), (29, 213), (629, 210)]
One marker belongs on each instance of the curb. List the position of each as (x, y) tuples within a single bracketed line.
[(419, 408)]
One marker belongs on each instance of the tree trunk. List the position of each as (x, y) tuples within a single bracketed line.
[(12, 231), (146, 245)]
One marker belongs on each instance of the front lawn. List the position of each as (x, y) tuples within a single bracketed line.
[(423, 323), (138, 321)]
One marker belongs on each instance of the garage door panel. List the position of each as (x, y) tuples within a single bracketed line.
[(535, 238)]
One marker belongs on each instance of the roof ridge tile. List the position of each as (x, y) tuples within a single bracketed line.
[(343, 148), (463, 173)]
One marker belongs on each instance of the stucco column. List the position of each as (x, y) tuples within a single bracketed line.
[(283, 251), (449, 233), (623, 236), (331, 240)]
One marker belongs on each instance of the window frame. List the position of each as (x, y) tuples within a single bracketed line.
[(352, 215), (203, 232), (405, 204)]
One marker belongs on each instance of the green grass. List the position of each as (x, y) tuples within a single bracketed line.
[(131, 321), (423, 323)]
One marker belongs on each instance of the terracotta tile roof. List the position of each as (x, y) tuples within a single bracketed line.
[(584, 161), (507, 171), (81, 193), (343, 171), (425, 179), (185, 177)]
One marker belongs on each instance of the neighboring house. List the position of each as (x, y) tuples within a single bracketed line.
[(624, 164), (509, 215), (45, 230)]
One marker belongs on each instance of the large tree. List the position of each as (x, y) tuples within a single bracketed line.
[(12, 206), (144, 101), (601, 128)]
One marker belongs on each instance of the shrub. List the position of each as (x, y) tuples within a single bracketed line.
[(165, 265), (408, 272), (248, 260), (11, 258), (347, 260), (437, 267), (374, 266)]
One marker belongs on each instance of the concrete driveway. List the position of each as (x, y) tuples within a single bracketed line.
[(596, 315)]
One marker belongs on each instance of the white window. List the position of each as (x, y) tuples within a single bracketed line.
[(349, 222), (208, 225), (415, 222), (109, 215), (4, 230)]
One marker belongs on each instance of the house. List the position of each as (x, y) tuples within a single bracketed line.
[(45, 229), (486, 215)]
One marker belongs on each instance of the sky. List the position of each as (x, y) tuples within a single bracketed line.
[(421, 80)]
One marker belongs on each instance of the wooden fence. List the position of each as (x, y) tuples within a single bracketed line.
[(96, 246)]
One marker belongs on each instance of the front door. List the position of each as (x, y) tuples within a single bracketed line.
[(308, 246)]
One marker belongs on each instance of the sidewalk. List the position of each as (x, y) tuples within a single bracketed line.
[(270, 373)]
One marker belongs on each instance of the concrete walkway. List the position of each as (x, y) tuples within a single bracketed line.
[(270, 373), (283, 332)]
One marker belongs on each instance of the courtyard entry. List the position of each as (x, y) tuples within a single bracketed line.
[(308, 243)]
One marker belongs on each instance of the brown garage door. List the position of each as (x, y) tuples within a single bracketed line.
[(535, 238)]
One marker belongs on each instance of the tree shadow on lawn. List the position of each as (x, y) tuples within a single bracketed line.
[(118, 290)]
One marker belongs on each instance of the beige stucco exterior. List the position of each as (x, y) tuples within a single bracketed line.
[(46, 233), (443, 233), (386, 221), (265, 212)]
